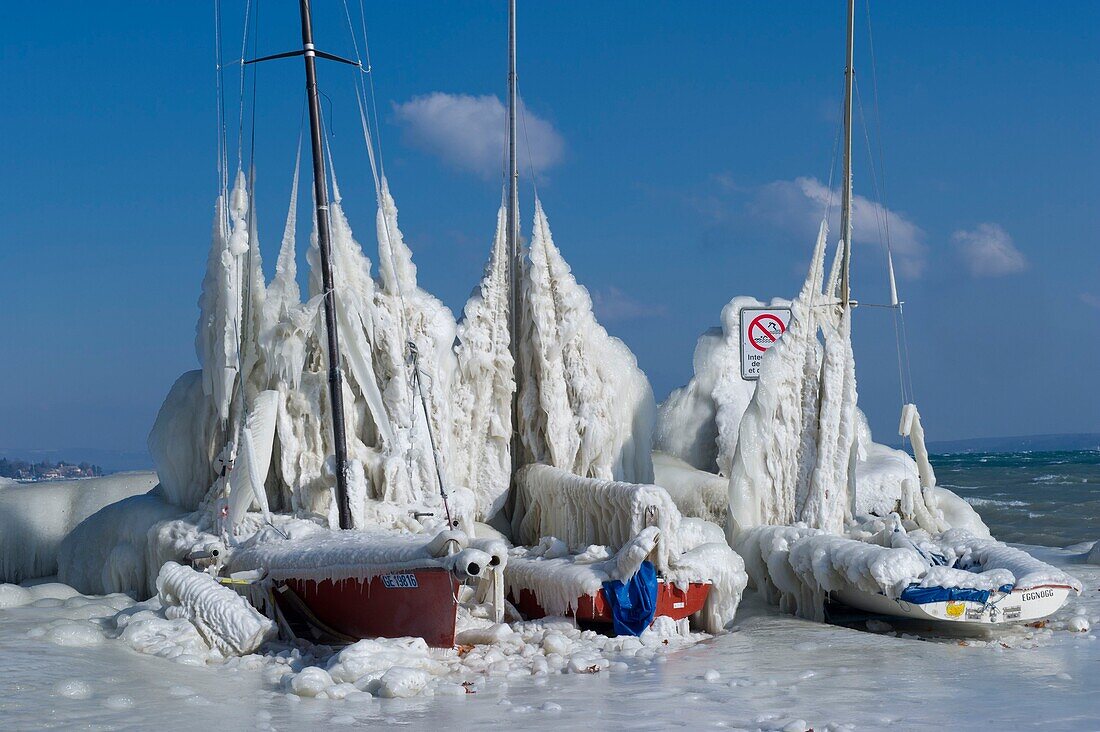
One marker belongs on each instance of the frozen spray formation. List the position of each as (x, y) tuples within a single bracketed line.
[(485, 382), (797, 438), (585, 406)]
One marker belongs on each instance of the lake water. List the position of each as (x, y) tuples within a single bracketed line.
[(1049, 498)]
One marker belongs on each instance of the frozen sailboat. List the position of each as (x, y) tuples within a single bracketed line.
[(793, 484), (392, 557), (592, 534)]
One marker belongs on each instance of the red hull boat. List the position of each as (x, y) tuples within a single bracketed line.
[(418, 603), (672, 602)]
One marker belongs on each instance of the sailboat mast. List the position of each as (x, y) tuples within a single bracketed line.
[(320, 196), (513, 237), (846, 200)]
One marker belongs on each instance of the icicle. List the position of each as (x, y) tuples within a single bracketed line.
[(893, 283)]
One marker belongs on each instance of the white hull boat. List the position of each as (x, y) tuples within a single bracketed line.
[(964, 607)]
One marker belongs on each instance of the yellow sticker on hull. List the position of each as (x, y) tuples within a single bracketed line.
[(955, 609)]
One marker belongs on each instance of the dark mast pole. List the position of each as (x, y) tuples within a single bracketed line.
[(513, 242), (320, 196)]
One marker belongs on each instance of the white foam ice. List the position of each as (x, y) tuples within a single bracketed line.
[(585, 406)]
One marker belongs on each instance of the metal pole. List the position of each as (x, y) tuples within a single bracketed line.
[(320, 195), (513, 239), (846, 200)]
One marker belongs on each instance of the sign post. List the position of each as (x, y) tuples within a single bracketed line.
[(760, 329)]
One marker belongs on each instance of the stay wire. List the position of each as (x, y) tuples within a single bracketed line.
[(900, 313), (414, 381), (882, 216)]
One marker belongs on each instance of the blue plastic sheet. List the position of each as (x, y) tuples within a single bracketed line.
[(921, 595), (634, 603)]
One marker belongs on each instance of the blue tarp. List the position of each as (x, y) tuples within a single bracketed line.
[(634, 603), (920, 595)]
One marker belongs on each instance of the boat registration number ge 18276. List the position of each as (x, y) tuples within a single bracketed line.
[(399, 581)]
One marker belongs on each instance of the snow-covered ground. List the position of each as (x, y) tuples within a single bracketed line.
[(57, 670)]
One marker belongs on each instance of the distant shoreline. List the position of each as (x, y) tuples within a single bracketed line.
[(1072, 442)]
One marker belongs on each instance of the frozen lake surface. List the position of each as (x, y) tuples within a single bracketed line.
[(776, 672)]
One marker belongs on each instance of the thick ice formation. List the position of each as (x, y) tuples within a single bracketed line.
[(585, 406), (111, 552), (605, 530), (780, 472), (481, 458), (804, 452), (796, 566), (36, 517), (225, 619), (586, 511), (695, 492), (699, 423)]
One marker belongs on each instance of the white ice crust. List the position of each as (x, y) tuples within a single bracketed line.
[(225, 619), (797, 566), (36, 517), (586, 531)]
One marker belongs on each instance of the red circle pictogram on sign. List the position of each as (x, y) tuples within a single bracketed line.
[(769, 328)]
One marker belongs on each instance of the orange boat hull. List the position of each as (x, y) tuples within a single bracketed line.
[(419, 603), (672, 602)]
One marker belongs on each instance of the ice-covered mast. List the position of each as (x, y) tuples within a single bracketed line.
[(846, 196), (320, 195), (514, 313)]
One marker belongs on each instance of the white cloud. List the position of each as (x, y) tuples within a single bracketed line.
[(612, 304), (1091, 300), (799, 204), (988, 251), (470, 132)]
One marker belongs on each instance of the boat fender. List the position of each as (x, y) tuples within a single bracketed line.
[(447, 543), (495, 548), (468, 563)]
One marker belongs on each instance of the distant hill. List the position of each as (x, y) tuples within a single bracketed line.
[(111, 461), (1033, 443)]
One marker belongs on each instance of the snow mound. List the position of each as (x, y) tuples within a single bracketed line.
[(36, 517)]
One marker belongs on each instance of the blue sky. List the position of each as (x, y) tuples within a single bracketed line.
[(680, 148)]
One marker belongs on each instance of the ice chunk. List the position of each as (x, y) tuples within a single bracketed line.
[(226, 620)]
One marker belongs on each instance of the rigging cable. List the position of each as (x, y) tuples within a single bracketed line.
[(882, 218), (899, 319), (414, 381)]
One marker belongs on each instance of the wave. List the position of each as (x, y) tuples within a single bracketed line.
[(991, 502)]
